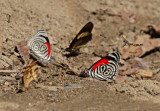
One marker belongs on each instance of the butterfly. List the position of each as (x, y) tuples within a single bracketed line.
[(40, 46), (82, 38), (106, 68)]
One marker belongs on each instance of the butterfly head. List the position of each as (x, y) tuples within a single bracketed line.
[(72, 51), (86, 71)]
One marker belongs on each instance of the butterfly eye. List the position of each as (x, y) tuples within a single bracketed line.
[(43, 48)]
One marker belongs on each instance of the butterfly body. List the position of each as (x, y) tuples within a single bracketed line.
[(40, 46), (106, 68), (82, 38)]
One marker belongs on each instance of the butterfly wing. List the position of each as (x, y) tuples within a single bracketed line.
[(82, 38), (106, 68), (40, 46)]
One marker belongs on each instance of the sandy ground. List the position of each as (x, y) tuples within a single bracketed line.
[(62, 19)]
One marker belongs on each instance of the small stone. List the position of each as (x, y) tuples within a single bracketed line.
[(7, 83), (52, 92), (50, 83)]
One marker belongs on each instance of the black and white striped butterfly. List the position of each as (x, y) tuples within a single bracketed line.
[(40, 46), (106, 68)]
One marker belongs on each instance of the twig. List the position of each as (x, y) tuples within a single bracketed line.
[(128, 43), (8, 78), (113, 14), (9, 71), (156, 61), (51, 88), (4, 63)]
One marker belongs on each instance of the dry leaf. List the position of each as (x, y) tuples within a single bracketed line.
[(125, 15), (152, 30), (30, 73), (129, 72), (50, 88), (138, 63), (3, 64), (124, 65), (7, 60), (120, 79), (148, 45), (144, 73), (23, 50)]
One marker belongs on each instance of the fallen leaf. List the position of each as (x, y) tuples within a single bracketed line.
[(6, 60), (144, 73), (23, 50), (152, 30), (125, 15), (30, 73), (129, 72), (138, 63), (3, 64), (148, 45), (50, 88), (120, 79), (73, 86), (124, 65)]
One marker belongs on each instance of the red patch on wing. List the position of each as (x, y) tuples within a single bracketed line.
[(100, 62), (49, 48)]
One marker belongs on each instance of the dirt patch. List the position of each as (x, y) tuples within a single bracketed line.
[(62, 20)]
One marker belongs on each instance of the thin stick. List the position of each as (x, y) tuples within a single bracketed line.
[(128, 43), (8, 78), (113, 14), (9, 71), (156, 61)]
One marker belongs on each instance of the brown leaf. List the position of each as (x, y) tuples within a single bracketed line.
[(23, 50), (148, 45), (124, 65), (3, 64), (138, 63), (125, 15), (152, 30), (144, 73), (129, 72), (30, 73), (50, 88), (120, 79), (6, 60)]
